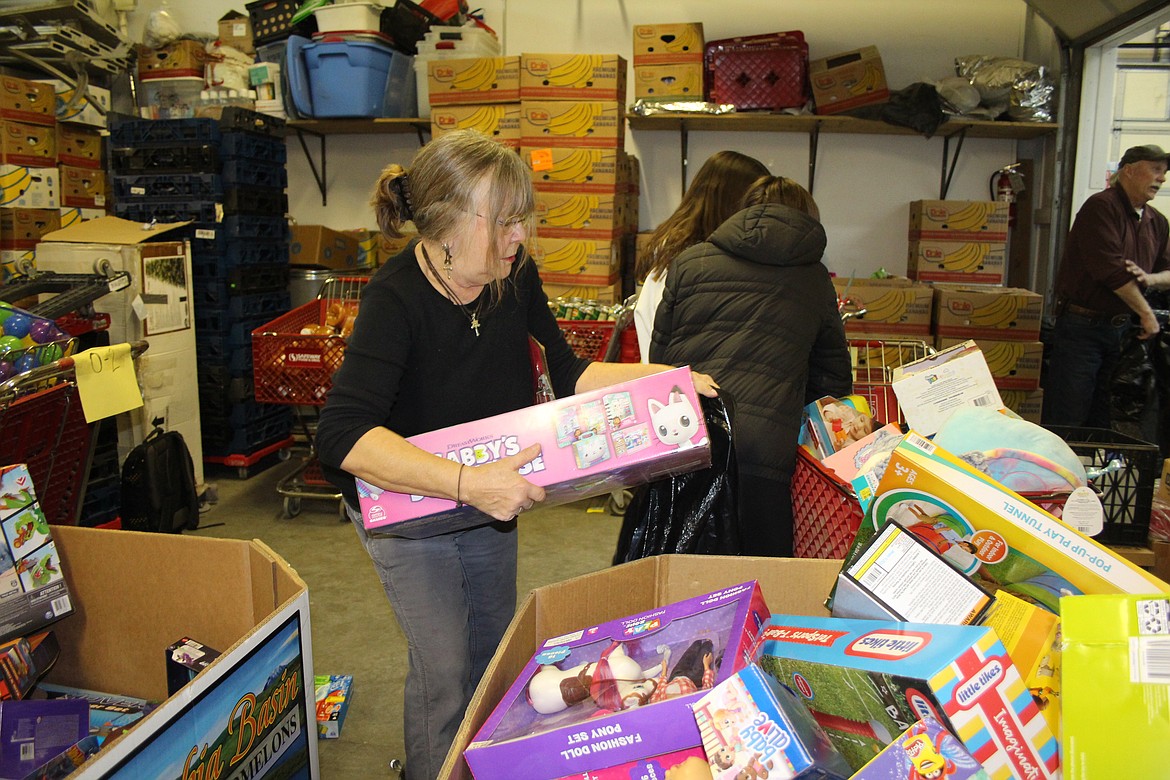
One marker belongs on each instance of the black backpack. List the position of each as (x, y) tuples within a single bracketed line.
[(158, 485)]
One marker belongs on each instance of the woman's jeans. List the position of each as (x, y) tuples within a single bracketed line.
[(454, 596)]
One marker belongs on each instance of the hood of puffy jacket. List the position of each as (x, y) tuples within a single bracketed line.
[(772, 234)]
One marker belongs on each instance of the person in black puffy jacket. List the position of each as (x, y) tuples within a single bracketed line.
[(754, 306)]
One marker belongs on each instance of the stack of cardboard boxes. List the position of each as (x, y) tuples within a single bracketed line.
[(477, 93), (668, 61)]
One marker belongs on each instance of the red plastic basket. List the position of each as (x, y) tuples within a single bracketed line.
[(291, 368), (767, 71), (826, 514), (588, 338)]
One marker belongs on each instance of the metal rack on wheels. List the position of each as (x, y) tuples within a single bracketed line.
[(294, 357), (42, 425)]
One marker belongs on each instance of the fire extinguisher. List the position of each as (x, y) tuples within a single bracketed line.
[(1006, 185)]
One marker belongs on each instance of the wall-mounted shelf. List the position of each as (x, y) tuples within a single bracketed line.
[(326, 127), (813, 125)]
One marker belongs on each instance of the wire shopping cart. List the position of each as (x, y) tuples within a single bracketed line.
[(42, 425), (598, 331), (294, 358)]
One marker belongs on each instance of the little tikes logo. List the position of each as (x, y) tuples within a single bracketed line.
[(888, 645), (988, 678), (798, 635), (304, 358)]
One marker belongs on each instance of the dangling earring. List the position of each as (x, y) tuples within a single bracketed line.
[(447, 259)]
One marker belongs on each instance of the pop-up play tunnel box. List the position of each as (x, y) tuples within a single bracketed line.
[(535, 734), (867, 681), (591, 443), (797, 586), (250, 713)]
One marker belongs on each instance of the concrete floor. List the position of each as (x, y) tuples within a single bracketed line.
[(353, 627)]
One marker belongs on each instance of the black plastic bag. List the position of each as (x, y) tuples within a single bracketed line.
[(692, 513), (917, 106)]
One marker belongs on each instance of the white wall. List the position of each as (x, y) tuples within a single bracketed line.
[(863, 182)]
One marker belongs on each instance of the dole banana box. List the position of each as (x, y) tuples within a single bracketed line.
[(473, 80), (83, 187), (1027, 405), (579, 215), (498, 121), (90, 109), (599, 77), (618, 691), (998, 313), (867, 681), (894, 307), (1014, 365), (71, 215), (592, 443), (577, 261), (848, 80), (958, 220), (26, 187), (79, 146), (608, 294), (1115, 672), (574, 169), (575, 123), (668, 44), (23, 228), (968, 262), (22, 143), (22, 100), (677, 81)]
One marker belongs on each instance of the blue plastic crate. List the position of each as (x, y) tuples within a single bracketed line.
[(210, 244), (197, 186), (168, 210), (130, 131), (254, 173), (249, 226), (253, 147)]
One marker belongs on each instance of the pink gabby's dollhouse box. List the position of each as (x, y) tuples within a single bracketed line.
[(591, 444), (611, 676)]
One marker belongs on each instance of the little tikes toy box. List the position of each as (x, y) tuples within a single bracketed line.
[(867, 681), (592, 443), (333, 693), (619, 691)]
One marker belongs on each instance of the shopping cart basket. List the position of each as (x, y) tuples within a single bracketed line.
[(294, 358), (874, 363), (598, 331)]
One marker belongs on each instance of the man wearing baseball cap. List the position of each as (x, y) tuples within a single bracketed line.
[(1117, 247)]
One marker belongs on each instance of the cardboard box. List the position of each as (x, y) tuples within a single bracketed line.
[(473, 80), (894, 307), (72, 215), (592, 443), (576, 77), (22, 100), (577, 261), (29, 188), (848, 80), (235, 30), (27, 144), (107, 711), (322, 247), (579, 215), (89, 109), (967, 262), (924, 749), (79, 146), (680, 81), (930, 389), (574, 169), (498, 121), (535, 733), (333, 695), (1027, 405), (1164, 482), (1114, 684), (608, 294), (958, 220), (659, 44), (23, 228), (83, 187), (185, 58), (1014, 365), (583, 123), (999, 313), (866, 681), (248, 602)]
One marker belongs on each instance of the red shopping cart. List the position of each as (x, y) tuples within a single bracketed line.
[(598, 331)]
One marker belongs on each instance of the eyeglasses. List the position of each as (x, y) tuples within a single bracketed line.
[(511, 223)]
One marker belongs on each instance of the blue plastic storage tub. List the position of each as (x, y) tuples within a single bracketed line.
[(343, 78)]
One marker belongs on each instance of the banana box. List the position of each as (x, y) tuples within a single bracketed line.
[(1028, 405), (611, 293), (958, 220), (573, 77), (29, 187), (579, 215), (848, 80), (83, 187), (575, 123), (498, 121), (1014, 365), (185, 58), (14, 262), (26, 144), (71, 215), (894, 307), (668, 44), (1000, 313), (577, 261), (671, 81), (79, 146), (23, 228), (974, 262), (473, 80), (91, 109), (22, 100), (573, 169)]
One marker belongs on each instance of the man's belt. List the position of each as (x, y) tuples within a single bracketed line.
[(1095, 317)]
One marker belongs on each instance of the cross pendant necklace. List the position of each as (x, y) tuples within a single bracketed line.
[(475, 323)]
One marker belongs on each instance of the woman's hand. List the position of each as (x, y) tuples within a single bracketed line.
[(498, 489), (705, 385)]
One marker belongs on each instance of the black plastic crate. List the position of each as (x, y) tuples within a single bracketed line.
[(169, 210), (217, 284), (126, 130), (247, 146), (272, 20), (239, 118), (196, 186), (221, 438), (264, 201), (218, 351), (1126, 487), (250, 226), (165, 159), (254, 173), (211, 244)]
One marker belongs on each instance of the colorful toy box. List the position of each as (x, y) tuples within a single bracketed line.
[(924, 750), (592, 443), (689, 763), (33, 732), (866, 681), (617, 692), (333, 694), (753, 726)]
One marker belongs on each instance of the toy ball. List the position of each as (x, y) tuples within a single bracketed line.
[(17, 325), (6, 370), (9, 343), (26, 362), (49, 353), (44, 331)]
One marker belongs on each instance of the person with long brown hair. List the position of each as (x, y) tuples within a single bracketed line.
[(713, 196)]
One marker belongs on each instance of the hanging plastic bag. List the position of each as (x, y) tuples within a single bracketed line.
[(693, 513), (1132, 386)]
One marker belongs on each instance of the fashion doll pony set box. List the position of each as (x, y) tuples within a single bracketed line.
[(591, 444)]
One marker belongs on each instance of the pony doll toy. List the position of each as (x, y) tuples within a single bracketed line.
[(614, 682)]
